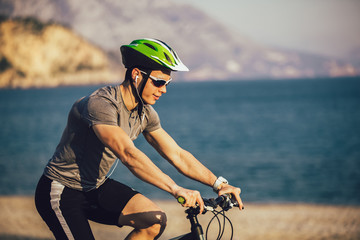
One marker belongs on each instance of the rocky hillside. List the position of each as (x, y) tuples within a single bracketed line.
[(210, 50), (33, 54)]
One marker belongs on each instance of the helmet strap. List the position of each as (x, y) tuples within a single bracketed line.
[(143, 83), (139, 91)]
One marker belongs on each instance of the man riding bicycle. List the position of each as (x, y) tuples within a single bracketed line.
[(101, 127)]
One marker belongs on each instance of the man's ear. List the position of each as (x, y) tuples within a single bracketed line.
[(135, 75)]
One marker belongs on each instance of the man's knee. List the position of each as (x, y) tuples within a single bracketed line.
[(157, 220), (144, 216), (159, 225), (162, 220)]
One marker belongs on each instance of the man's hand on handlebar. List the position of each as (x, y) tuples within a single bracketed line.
[(234, 191), (192, 198)]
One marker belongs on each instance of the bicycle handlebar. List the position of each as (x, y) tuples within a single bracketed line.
[(226, 202)]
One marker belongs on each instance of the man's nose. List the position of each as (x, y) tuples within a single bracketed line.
[(163, 89)]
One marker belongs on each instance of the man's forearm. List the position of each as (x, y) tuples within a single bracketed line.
[(143, 168), (194, 169)]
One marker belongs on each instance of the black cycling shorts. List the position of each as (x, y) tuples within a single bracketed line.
[(66, 211)]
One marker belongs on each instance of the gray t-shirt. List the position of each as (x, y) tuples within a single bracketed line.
[(80, 160)]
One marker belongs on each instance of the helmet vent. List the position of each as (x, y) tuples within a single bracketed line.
[(150, 46), (168, 58)]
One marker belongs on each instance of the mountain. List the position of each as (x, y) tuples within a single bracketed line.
[(33, 54), (210, 50)]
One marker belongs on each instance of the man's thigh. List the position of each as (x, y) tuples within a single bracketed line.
[(107, 202), (117, 204)]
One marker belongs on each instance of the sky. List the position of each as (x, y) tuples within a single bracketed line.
[(326, 27)]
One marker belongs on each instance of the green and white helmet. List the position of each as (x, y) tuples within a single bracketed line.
[(151, 54)]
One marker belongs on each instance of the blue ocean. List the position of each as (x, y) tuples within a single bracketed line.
[(279, 140)]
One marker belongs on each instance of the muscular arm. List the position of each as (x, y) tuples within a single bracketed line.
[(186, 163), (140, 165), (136, 161)]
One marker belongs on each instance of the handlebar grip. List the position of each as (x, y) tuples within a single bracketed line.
[(181, 200)]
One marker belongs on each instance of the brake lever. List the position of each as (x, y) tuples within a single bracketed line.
[(229, 202)]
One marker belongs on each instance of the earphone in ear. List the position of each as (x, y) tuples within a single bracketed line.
[(136, 78)]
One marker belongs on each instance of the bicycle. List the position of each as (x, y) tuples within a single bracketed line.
[(224, 202)]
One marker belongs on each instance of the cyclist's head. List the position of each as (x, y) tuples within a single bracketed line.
[(151, 54), (148, 55)]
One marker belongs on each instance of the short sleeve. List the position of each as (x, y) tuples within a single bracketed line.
[(99, 110), (153, 120)]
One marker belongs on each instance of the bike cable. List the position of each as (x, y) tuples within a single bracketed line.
[(221, 225)]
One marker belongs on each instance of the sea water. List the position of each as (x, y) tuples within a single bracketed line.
[(279, 141)]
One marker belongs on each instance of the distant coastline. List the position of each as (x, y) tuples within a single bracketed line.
[(37, 52)]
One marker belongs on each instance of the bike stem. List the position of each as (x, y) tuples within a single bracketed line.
[(196, 228)]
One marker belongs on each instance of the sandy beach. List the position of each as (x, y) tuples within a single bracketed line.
[(20, 221)]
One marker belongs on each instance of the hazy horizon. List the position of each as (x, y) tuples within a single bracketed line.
[(325, 27)]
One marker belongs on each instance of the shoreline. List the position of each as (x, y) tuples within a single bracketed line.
[(19, 220)]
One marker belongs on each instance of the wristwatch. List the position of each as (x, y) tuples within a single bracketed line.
[(220, 180)]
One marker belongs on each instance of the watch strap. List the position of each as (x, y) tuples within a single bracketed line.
[(220, 180)]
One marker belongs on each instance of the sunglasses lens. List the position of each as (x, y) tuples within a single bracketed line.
[(159, 83)]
